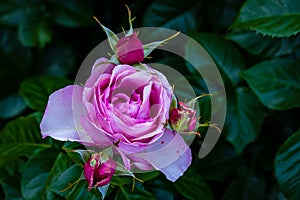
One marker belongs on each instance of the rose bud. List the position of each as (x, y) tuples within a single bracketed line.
[(97, 173), (130, 50), (183, 119)]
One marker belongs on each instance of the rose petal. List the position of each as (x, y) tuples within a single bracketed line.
[(100, 67), (59, 120), (98, 136), (169, 154), (177, 168)]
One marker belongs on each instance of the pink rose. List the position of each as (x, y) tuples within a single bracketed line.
[(98, 173), (124, 107), (130, 49)]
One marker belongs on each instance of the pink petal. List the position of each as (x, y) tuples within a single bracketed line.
[(98, 136), (59, 120), (169, 154), (177, 168)]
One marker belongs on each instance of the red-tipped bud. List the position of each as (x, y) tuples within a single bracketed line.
[(97, 173), (183, 119), (130, 50)]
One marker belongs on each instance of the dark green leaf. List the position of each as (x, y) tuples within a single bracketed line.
[(61, 164), (37, 90), (79, 156), (177, 15), (121, 180), (275, 83), (14, 60), (11, 106), (264, 46), (9, 152), (12, 11), (223, 154), (243, 122), (248, 186), (125, 193), (269, 17), (75, 152), (35, 174), (21, 130), (161, 189), (11, 192), (193, 188), (72, 13), (274, 192), (287, 167), (147, 176), (80, 191), (20, 56), (57, 59), (227, 56), (61, 183), (34, 31)]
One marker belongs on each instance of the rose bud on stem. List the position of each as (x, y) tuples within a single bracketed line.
[(98, 173), (183, 119), (130, 49)]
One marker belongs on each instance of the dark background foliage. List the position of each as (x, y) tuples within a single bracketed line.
[(255, 44)]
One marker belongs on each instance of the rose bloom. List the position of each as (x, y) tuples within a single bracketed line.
[(124, 107)]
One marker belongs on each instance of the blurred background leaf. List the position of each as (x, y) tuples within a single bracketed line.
[(274, 18), (287, 167)]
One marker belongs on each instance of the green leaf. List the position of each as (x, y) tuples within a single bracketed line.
[(57, 59), (41, 171), (269, 17), (12, 11), (60, 184), (147, 176), (61, 164), (80, 191), (34, 31), (19, 55), (125, 193), (9, 152), (11, 106), (35, 174), (275, 83), (193, 188), (176, 15), (80, 156), (226, 56), (71, 13), (15, 59), (161, 189), (264, 46), (287, 167), (223, 154), (37, 90), (11, 192), (243, 122), (21, 130), (247, 186)]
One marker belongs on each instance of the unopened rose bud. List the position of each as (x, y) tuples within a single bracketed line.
[(97, 173), (183, 119), (130, 50)]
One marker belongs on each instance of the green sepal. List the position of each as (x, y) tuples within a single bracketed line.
[(148, 48), (111, 36)]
